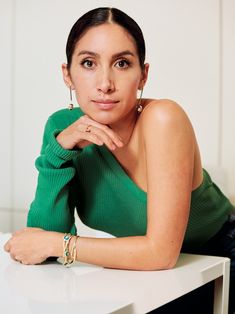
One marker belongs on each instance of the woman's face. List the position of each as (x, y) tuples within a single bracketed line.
[(105, 73)]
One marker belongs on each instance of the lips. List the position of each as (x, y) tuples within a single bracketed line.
[(105, 103)]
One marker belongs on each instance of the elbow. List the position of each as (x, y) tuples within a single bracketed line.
[(152, 257), (154, 261), (159, 265), (170, 264)]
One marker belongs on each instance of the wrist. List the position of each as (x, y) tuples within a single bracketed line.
[(55, 240), (69, 249)]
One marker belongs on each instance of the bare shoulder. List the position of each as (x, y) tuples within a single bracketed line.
[(166, 118), (163, 111)]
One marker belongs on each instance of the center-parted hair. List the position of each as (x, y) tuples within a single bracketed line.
[(101, 16)]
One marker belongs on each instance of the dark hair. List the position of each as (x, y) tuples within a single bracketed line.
[(101, 16)]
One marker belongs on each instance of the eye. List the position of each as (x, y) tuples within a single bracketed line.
[(122, 64), (87, 63)]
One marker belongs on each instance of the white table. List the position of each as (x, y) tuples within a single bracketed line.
[(51, 288)]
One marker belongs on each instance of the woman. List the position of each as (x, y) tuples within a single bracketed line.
[(130, 166)]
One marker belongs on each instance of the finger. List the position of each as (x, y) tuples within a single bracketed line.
[(7, 246), (95, 139), (113, 135), (18, 259), (80, 138), (90, 137), (104, 137), (13, 257)]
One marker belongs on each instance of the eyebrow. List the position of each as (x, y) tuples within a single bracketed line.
[(115, 56)]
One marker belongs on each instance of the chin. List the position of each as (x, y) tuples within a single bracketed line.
[(106, 118)]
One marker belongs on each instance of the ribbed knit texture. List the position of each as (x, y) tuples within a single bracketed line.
[(92, 181)]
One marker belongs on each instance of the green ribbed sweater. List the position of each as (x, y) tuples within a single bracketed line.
[(92, 181)]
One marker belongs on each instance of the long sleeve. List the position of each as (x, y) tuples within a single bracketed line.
[(53, 206)]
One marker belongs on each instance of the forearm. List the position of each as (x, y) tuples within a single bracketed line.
[(51, 208), (135, 253)]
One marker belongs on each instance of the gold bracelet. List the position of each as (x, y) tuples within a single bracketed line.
[(74, 249), (69, 258), (66, 254)]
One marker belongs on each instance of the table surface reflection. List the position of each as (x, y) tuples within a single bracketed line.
[(84, 288)]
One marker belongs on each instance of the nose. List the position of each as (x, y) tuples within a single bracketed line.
[(105, 82)]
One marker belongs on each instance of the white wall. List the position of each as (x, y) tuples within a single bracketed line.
[(6, 105), (190, 48), (228, 93)]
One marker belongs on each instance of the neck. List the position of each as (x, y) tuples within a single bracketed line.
[(125, 127)]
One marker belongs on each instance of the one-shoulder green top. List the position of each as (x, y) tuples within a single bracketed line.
[(93, 182)]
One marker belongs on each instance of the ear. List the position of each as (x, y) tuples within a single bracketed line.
[(144, 76), (66, 76)]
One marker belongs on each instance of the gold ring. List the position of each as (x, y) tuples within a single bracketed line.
[(88, 129)]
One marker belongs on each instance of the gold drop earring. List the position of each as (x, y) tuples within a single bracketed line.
[(139, 107), (70, 106)]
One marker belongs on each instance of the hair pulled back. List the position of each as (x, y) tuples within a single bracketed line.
[(101, 16)]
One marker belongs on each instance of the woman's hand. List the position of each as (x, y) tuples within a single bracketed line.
[(30, 245), (86, 131)]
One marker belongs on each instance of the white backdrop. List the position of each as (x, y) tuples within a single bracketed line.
[(190, 48)]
